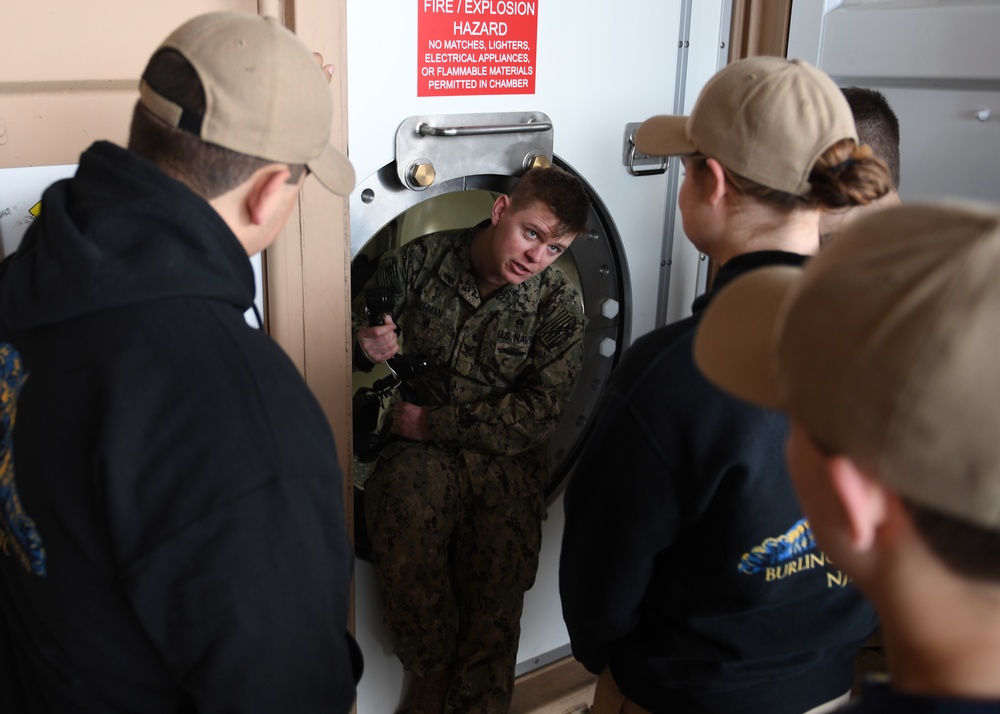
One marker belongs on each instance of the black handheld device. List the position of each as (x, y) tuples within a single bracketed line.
[(371, 430)]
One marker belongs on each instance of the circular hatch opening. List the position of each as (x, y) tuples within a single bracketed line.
[(386, 215)]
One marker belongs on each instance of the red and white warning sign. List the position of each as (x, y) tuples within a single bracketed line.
[(467, 47)]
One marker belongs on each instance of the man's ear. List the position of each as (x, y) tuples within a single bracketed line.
[(499, 206), (717, 186), (266, 190), (863, 499)]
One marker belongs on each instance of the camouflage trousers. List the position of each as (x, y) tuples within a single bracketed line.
[(451, 573)]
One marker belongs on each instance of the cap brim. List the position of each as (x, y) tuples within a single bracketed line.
[(664, 135), (334, 171), (737, 336)]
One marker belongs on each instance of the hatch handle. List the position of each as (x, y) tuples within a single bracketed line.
[(425, 129), (662, 168), (632, 158)]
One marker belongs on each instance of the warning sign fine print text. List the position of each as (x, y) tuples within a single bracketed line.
[(467, 47)]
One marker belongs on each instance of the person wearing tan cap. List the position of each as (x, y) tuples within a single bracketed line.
[(172, 531), (883, 354), (689, 577)]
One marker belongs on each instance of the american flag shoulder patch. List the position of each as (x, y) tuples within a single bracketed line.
[(558, 328)]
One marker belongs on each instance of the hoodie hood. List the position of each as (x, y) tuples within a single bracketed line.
[(120, 232)]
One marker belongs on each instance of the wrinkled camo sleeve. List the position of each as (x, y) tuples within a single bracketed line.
[(520, 419)]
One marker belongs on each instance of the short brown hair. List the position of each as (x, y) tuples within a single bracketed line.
[(561, 191), (965, 548)]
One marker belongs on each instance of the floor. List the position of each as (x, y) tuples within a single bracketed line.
[(563, 687)]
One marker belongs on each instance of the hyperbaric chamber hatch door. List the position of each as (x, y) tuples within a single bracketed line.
[(448, 171)]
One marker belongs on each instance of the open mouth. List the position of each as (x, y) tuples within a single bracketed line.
[(519, 269)]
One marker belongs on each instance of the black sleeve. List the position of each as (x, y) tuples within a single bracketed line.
[(621, 513)]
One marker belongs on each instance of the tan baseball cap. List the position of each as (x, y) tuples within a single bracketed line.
[(885, 346), (767, 119), (266, 94)]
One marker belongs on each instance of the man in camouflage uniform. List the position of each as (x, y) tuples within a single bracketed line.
[(454, 507)]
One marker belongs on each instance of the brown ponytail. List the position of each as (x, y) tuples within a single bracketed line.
[(845, 175), (849, 175)]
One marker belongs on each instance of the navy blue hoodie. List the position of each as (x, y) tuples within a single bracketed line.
[(687, 565), (172, 532)]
